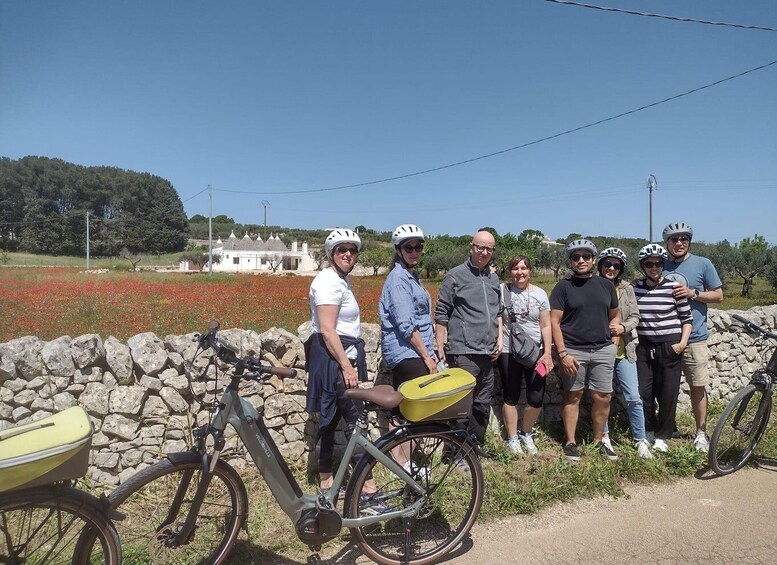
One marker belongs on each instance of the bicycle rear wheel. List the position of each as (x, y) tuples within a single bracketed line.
[(450, 472), (44, 526), (156, 502), (739, 429)]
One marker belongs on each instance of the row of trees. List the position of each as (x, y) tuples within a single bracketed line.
[(748, 259), (44, 203)]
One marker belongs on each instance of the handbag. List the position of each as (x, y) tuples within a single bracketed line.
[(522, 347)]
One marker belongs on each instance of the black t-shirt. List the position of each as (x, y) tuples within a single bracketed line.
[(586, 303)]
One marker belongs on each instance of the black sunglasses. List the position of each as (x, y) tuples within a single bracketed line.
[(342, 250), (683, 238), (612, 265), (651, 264), (410, 248), (583, 256)]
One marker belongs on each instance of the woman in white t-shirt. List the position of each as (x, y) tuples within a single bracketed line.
[(529, 304), (335, 351)]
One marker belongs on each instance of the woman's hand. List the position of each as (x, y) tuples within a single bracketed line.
[(678, 348), (547, 359), (351, 377)]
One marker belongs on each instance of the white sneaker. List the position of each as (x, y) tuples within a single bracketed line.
[(528, 443), (661, 445), (418, 473), (701, 443), (643, 449), (606, 441), (514, 445)]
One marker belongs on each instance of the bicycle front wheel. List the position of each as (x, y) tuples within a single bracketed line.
[(45, 526), (156, 502), (739, 429), (449, 471)]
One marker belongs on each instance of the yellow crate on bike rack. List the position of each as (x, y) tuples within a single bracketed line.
[(446, 395), (46, 451)]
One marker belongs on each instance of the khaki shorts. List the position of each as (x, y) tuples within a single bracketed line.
[(696, 364)]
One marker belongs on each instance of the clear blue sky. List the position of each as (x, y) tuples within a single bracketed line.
[(274, 97)]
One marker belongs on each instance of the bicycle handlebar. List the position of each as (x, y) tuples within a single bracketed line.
[(229, 355), (753, 327)]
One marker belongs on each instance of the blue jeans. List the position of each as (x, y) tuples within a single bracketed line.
[(626, 375)]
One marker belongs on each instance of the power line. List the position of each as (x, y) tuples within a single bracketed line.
[(509, 149), (662, 16)]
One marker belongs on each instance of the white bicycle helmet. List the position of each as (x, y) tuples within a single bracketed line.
[(580, 245), (405, 232), (338, 236), (652, 250), (677, 228), (613, 252)]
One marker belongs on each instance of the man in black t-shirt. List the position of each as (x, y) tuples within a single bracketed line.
[(581, 309)]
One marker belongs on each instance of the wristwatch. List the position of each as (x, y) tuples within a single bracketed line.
[(695, 294)]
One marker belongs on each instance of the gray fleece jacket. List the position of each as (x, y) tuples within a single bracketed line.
[(468, 303)]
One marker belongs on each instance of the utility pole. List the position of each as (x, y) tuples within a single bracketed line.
[(652, 183), (87, 240), (265, 203), (210, 230)]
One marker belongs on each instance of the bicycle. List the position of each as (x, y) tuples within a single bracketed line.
[(192, 504), (743, 422), (43, 517)]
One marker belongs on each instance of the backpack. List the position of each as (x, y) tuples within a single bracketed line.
[(522, 347)]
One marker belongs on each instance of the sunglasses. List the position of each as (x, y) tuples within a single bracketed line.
[(652, 264), (584, 256), (680, 238), (483, 248), (342, 250), (417, 248), (612, 265)]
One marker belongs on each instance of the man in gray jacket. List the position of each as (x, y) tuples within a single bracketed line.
[(469, 325)]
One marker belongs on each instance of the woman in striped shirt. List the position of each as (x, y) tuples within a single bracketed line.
[(663, 330)]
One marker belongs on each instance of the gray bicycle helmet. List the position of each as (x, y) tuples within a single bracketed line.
[(341, 235), (405, 232), (677, 228), (652, 250), (580, 245), (613, 252)]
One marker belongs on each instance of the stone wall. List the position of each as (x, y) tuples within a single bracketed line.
[(142, 403)]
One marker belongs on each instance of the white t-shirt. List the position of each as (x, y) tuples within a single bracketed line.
[(527, 306), (328, 288)]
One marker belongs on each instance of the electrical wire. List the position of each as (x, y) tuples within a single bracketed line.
[(662, 16), (509, 149)]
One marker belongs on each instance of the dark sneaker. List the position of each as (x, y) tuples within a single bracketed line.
[(607, 450), (370, 503), (571, 452)]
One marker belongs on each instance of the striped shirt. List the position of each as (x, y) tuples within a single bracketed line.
[(661, 315)]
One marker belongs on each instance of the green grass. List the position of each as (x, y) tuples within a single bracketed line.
[(118, 263)]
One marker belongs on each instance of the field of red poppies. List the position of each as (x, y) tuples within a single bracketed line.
[(50, 303)]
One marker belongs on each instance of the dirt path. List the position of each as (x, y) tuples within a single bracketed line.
[(723, 520), (691, 521)]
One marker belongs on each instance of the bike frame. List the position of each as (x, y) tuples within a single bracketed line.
[(250, 426)]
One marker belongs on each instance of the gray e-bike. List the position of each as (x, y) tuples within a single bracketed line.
[(190, 506)]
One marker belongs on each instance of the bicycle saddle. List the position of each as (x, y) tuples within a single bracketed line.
[(383, 395)]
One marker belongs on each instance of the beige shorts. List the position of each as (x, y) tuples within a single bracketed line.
[(696, 364)]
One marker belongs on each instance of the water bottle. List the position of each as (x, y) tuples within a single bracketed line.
[(442, 366)]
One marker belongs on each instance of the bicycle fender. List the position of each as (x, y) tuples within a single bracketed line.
[(431, 428)]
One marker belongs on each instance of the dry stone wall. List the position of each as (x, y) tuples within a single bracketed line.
[(142, 404)]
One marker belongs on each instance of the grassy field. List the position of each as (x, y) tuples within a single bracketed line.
[(52, 302)]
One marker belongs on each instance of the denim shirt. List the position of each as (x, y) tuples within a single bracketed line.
[(404, 306)]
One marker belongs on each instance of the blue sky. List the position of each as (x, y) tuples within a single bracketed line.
[(268, 98)]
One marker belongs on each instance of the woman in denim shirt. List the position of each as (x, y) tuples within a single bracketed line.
[(405, 310)]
